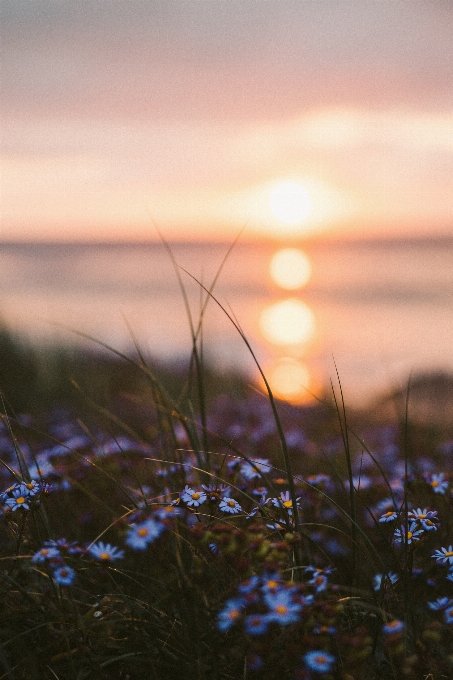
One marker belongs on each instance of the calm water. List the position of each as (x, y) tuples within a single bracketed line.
[(380, 310)]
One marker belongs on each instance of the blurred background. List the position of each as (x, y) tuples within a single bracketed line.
[(320, 131)]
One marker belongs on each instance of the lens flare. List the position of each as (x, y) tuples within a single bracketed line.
[(289, 322), (290, 268)]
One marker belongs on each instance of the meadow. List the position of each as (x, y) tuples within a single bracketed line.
[(172, 522)]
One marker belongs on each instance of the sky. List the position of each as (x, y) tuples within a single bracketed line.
[(120, 115)]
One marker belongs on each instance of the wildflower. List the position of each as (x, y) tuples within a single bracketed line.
[(255, 468), (20, 498), (427, 518), (230, 613), (229, 505), (448, 615), (388, 516), (440, 604), (319, 581), (249, 585), (140, 536), (282, 609), (395, 626), (105, 552), (413, 534), (438, 483), (391, 577), (193, 498), (256, 624), (324, 630), (64, 576), (271, 582), (45, 554), (33, 488), (318, 661), (284, 501), (444, 555)]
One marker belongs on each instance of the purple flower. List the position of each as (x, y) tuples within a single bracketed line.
[(440, 604), (140, 536), (231, 612), (427, 518), (193, 498), (229, 505), (448, 615), (256, 624), (444, 555), (282, 608), (105, 552), (438, 483), (395, 626), (413, 534), (318, 661), (64, 575)]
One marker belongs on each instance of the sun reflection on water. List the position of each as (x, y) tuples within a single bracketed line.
[(289, 325), (290, 268), (288, 322)]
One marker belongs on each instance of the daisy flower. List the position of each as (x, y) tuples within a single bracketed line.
[(105, 552), (140, 536), (45, 554), (444, 555), (255, 468), (20, 499), (438, 483), (193, 498), (440, 604), (318, 661), (229, 505), (64, 576), (231, 612), (256, 624), (427, 518), (282, 608), (388, 516), (413, 534), (395, 626), (448, 615)]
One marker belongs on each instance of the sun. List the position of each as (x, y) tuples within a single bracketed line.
[(290, 202)]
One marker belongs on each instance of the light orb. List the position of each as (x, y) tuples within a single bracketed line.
[(289, 322), (290, 380), (290, 268)]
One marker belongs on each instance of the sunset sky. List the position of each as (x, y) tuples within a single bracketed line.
[(117, 114)]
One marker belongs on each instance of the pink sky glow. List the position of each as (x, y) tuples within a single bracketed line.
[(120, 115)]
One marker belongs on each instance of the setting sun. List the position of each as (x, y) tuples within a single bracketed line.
[(290, 202)]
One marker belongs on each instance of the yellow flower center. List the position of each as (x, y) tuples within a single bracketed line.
[(143, 532), (387, 514), (320, 659), (422, 516), (288, 504), (44, 552), (20, 500), (281, 609), (231, 504), (449, 554), (234, 614), (434, 483), (195, 496), (105, 556), (272, 584), (409, 534)]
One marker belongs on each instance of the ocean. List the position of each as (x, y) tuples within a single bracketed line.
[(375, 310)]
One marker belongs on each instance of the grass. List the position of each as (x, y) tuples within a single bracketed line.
[(173, 523)]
